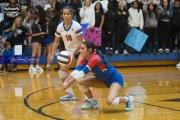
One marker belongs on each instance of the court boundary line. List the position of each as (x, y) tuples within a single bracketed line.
[(38, 111)]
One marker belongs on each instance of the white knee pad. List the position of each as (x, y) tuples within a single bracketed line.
[(62, 74), (83, 88), (115, 102)]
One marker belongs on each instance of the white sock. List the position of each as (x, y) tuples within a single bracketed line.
[(69, 90), (91, 99), (37, 65), (31, 66), (126, 99), (47, 65)]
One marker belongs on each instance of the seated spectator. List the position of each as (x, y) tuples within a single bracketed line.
[(2, 6), (8, 52), (41, 3), (11, 11)]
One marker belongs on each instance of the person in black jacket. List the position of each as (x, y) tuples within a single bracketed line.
[(59, 5), (176, 25), (121, 29), (108, 28), (115, 3), (48, 39), (76, 6)]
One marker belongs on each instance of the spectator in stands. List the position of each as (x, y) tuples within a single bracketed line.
[(151, 13), (76, 6), (52, 3), (87, 14), (135, 19), (121, 26), (19, 33), (59, 5), (99, 17), (165, 27), (115, 3), (108, 28), (41, 13), (48, 39), (2, 6), (27, 23), (25, 4), (36, 44), (176, 26), (41, 3), (7, 53), (11, 11)]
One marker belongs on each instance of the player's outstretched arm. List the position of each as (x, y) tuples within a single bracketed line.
[(67, 82)]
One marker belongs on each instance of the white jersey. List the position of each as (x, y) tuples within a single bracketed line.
[(69, 36)]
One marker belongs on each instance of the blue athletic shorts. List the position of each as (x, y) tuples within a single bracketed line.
[(47, 41), (116, 78)]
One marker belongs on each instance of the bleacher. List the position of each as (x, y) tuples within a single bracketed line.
[(136, 59)]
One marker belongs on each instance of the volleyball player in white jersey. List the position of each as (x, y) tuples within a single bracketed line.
[(71, 33)]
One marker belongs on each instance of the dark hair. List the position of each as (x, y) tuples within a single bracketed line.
[(49, 17), (6, 44), (101, 7), (168, 6), (138, 5), (110, 13), (56, 17), (89, 44), (69, 8), (35, 17), (152, 11)]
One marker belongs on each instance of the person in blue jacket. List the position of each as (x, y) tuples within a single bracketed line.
[(7, 54)]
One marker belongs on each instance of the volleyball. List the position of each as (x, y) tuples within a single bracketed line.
[(64, 58)]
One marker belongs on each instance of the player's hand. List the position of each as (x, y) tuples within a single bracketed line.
[(64, 86), (51, 59)]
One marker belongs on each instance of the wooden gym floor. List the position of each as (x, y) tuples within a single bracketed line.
[(156, 92)]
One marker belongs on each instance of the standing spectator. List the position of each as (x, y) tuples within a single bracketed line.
[(115, 3), (36, 44), (135, 18), (19, 33), (8, 52), (151, 14), (99, 17), (50, 28), (87, 14), (121, 26), (176, 25), (59, 5), (41, 13), (76, 6), (165, 26), (108, 28)]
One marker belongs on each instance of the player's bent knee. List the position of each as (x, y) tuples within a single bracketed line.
[(62, 74), (113, 102), (83, 88)]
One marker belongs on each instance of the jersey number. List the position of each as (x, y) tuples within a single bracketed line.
[(68, 37)]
